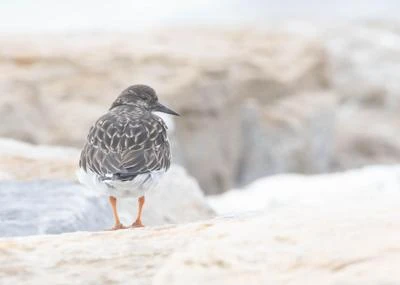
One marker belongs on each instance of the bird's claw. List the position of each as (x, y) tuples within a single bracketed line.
[(118, 227), (137, 224)]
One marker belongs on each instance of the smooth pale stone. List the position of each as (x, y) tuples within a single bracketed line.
[(54, 206)]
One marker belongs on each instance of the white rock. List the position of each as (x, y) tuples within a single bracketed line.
[(25, 161), (177, 199), (351, 190), (364, 63), (62, 84), (365, 60), (294, 134), (328, 229), (6, 176), (364, 136), (58, 89), (50, 207), (14, 147)]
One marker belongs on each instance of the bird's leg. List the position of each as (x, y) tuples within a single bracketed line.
[(138, 222), (118, 225)]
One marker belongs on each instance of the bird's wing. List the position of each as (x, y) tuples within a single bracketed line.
[(125, 147)]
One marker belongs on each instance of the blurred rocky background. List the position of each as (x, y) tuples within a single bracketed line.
[(285, 106), (254, 102)]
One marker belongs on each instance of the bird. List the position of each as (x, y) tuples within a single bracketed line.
[(127, 149)]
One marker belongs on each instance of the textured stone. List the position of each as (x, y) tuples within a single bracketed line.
[(364, 65), (328, 229), (55, 89), (364, 62), (51, 206), (366, 136), (294, 134), (23, 161), (32, 204)]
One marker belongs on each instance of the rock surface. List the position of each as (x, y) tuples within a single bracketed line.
[(365, 60), (23, 161), (355, 189), (47, 198), (51, 206), (364, 63), (53, 88), (328, 229), (60, 85), (294, 134)]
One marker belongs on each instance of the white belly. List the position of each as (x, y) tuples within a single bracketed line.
[(134, 188)]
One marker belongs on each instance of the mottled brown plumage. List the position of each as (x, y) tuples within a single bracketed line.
[(127, 149), (126, 142)]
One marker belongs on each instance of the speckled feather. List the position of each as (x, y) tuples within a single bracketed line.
[(127, 149), (126, 142)]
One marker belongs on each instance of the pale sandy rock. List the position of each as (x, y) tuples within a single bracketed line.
[(293, 247), (177, 199), (51, 206), (365, 135), (6, 176), (211, 132), (307, 234), (364, 65), (354, 189), (294, 134), (69, 79), (55, 89), (24, 161), (210, 147)]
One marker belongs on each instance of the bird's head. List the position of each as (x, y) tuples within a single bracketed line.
[(141, 96)]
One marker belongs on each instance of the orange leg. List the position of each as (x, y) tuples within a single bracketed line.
[(138, 222), (117, 225)]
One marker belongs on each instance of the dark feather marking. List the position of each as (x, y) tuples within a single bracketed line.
[(126, 142)]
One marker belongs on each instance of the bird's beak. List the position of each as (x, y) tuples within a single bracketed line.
[(161, 108)]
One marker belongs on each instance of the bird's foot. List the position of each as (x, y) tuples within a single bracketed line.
[(137, 224), (117, 227)]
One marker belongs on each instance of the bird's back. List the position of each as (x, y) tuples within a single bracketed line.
[(124, 143)]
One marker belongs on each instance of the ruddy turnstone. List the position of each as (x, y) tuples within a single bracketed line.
[(127, 149)]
